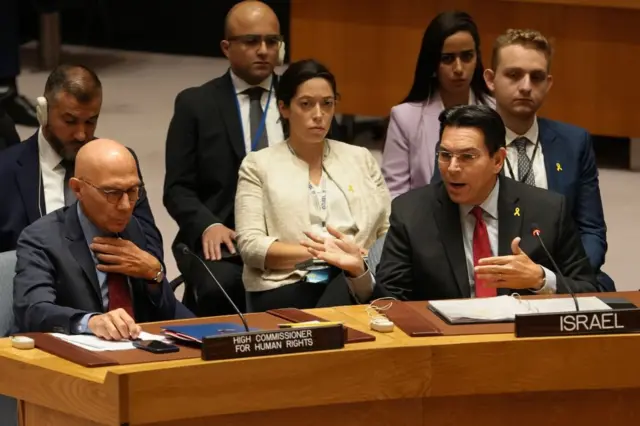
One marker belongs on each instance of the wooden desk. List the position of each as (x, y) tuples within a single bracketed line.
[(372, 47), (397, 380)]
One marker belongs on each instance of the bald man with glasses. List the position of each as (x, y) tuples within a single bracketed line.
[(89, 268)]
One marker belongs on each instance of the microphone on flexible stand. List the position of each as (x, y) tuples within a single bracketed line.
[(185, 250), (535, 230)]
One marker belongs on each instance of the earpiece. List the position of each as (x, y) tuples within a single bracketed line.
[(281, 53), (42, 110)]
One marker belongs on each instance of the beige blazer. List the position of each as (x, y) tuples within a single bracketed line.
[(272, 203)]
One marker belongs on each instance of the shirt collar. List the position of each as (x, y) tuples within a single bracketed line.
[(240, 85), (489, 205), (437, 98), (49, 158), (89, 230), (531, 134)]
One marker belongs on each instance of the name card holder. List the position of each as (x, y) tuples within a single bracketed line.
[(273, 342), (615, 321)]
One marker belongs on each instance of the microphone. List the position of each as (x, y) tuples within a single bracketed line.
[(535, 230), (185, 250)]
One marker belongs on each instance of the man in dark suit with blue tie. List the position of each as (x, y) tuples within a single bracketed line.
[(34, 174), (89, 267), (542, 152)]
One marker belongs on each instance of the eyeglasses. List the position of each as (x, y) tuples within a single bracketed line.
[(464, 158), (114, 196), (272, 41)]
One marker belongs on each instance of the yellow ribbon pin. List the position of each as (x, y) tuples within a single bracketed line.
[(558, 167), (350, 188), (517, 212)]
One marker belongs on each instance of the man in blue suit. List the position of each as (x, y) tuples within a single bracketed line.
[(89, 267), (35, 173), (542, 152)]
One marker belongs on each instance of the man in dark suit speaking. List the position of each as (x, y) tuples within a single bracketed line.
[(89, 267), (470, 235)]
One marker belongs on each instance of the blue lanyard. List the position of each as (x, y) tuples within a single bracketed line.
[(263, 121)]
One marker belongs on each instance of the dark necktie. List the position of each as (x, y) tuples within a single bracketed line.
[(481, 249), (69, 195), (119, 296), (255, 117), (525, 166)]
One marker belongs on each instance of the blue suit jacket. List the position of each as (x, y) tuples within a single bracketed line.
[(571, 171), (56, 282), (19, 175)]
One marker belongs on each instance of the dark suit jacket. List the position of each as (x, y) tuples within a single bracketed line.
[(204, 150), (424, 259), (570, 148), (56, 281), (19, 176), (8, 134)]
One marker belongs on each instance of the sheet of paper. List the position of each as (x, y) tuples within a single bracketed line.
[(96, 344), (591, 303), (505, 308)]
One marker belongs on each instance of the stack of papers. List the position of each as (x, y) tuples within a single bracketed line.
[(96, 344), (505, 308)]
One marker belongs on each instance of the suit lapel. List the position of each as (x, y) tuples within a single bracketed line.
[(80, 250), (552, 155), (448, 221), (28, 178), (510, 215), (341, 175), (283, 123), (230, 114)]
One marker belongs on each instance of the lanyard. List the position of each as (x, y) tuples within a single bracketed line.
[(254, 143), (524, 178), (320, 198)]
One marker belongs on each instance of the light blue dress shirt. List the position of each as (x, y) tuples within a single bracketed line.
[(90, 231)]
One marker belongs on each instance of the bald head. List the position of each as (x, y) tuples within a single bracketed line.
[(247, 14), (252, 41), (107, 184), (104, 158)]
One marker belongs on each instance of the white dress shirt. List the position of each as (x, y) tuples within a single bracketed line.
[(52, 176), (273, 125), (490, 216), (539, 171), (337, 212)]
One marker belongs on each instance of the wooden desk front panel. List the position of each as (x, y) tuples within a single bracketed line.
[(372, 47)]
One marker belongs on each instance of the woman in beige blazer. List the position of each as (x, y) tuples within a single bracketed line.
[(304, 185)]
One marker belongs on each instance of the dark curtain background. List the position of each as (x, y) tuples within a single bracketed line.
[(190, 27)]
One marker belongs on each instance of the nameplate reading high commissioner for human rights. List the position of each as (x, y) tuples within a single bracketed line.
[(273, 342), (614, 321)]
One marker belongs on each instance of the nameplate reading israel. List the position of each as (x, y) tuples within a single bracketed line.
[(615, 321), (273, 342)]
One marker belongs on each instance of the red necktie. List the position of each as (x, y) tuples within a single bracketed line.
[(119, 296), (481, 249)]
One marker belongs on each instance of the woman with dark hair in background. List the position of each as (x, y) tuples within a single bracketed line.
[(332, 191), (448, 73)]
